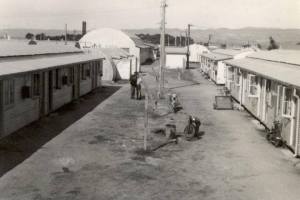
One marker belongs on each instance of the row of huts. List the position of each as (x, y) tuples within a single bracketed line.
[(265, 83), (35, 80)]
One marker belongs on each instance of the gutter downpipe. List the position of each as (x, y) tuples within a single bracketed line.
[(297, 123), (241, 88)]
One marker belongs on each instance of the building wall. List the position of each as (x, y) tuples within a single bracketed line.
[(174, 61), (109, 70), (195, 52), (123, 68), (145, 54), (217, 72), (61, 97), (221, 73), (85, 86), (267, 105), (22, 111)]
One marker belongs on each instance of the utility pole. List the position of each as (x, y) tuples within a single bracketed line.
[(188, 46), (162, 48), (180, 40)]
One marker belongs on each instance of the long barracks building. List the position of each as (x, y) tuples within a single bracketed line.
[(37, 80)]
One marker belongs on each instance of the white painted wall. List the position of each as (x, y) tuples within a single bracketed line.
[(174, 61), (221, 73), (85, 86), (123, 68), (195, 51), (61, 96), (23, 111)]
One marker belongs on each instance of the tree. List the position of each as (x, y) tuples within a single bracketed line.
[(41, 36), (259, 46), (273, 44), (29, 36), (223, 46)]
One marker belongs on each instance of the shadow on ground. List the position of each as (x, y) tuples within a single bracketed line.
[(18, 146)]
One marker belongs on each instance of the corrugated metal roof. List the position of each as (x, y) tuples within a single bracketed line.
[(139, 43), (231, 52), (115, 53), (176, 50), (12, 48), (22, 66), (216, 56), (285, 73), (284, 56), (154, 46)]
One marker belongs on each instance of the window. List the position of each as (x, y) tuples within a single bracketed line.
[(237, 76), (269, 85), (9, 92), (36, 84), (71, 75), (230, 73), (287, 102), (253, 85), (269, 92), (57, 79), (88, 70), (100, 68), (83, 72)]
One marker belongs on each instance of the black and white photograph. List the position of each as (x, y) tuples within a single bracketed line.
[(149, 99)]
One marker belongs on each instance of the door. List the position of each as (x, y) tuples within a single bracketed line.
[(43, 95), (50, 90), (294, 122), (1, 108), (76, 84), (262, 99), (94, 76)]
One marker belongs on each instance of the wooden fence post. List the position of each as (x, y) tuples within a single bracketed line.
[(146, 121)]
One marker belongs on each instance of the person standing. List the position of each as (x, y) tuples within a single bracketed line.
[(139, 87), (133, 83)]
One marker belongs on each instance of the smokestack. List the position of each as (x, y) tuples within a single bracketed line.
[(66, 34), (83, 28)]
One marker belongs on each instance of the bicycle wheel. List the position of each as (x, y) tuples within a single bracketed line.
[(189, 131)]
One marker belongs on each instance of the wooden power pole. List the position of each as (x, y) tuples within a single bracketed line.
[(162, 47), (188, 46)]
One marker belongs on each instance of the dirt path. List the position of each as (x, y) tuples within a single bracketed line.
[(18, 146), (99, 156)]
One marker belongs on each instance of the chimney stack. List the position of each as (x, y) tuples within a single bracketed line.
[(83, 28), (66, 34)]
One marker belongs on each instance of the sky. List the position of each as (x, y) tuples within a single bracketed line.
[(137, 14)]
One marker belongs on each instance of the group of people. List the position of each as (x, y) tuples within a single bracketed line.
[(136, 85)]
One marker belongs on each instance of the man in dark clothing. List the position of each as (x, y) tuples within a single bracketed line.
[(139, 87), (133, 83)]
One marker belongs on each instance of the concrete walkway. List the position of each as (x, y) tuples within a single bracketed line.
[(99, 156)]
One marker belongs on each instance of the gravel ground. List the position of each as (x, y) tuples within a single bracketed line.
[(100, 156)]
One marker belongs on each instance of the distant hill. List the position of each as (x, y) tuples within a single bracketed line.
[(287, 38), (20, 33)]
